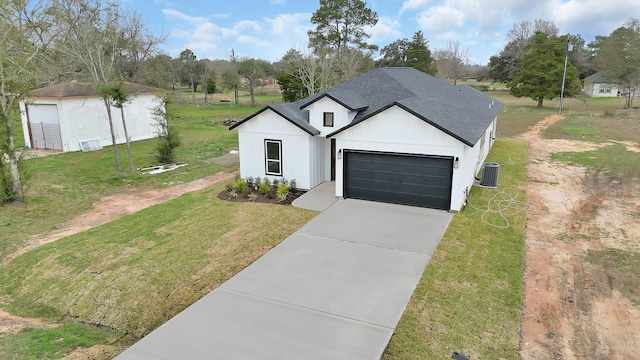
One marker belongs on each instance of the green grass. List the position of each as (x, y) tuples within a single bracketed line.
[(597, 128), (62, 186), (135, 273), (614, 160), (52, 343), (469, 298), (618, 265)]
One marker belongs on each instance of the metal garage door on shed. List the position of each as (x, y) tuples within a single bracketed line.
[(406, 179)]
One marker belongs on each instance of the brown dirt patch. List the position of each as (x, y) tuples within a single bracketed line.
[(576, 308), (113, 207), (13, 324)]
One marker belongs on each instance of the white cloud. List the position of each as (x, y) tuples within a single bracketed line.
[(289, 24), (278, 2), (386, 30), (441, 19), (413, 5)]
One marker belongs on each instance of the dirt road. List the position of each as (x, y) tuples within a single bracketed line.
[(576, 303)]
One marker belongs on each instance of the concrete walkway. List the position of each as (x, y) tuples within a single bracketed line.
[(319, 198), (335, 289)]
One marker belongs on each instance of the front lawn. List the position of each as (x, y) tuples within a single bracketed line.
[(469, 299)]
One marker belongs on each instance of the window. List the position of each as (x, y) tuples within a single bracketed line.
[(273, 157), (606, 88), (328, 119)]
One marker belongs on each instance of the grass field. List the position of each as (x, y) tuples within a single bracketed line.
[(469, 299), (133, 274)]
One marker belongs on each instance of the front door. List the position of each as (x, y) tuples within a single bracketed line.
[(333, 159)]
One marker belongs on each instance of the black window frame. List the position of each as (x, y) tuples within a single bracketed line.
[(324, 119), (267, 161)]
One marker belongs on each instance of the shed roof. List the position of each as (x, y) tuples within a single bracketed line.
[(460, 111), (85, 89)]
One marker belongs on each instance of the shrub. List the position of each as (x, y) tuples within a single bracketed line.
[(232, 193), (271, 192), (228, 187), (252, 197), (264, 186), (292, 185), (251, 182), (283, 188), (282, 196), (168, 136), (246, 191), (241, 186)]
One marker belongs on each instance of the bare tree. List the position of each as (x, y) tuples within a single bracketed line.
[(312, 69), (452, 61), (138, 46), (25, 37), (97, 35), (522, 33), (92, 39)]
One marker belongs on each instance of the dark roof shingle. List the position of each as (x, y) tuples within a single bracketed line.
[(460, 111)]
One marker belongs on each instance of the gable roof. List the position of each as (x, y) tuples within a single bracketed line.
[(85, 89), (460, 111), (598, 77), (289, 111)]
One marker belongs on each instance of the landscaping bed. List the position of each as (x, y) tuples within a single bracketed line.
[(266, 191)]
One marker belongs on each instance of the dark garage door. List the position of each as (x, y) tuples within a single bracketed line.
[(400, 179)]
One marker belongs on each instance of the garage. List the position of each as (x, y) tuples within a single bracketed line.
[(406, 179)]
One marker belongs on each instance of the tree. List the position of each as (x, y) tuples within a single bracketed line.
[(249, 68), (92, 36), (291, 87), (340, 24), (538, 73), (119, 97), (168, 136), (518, 37), (231, 81), (191, 71), (340, 34), (138, 45), (414, 53), (618, 57), (452, 61), (500, 66), (394, 54), (25, 37), (209, 87)]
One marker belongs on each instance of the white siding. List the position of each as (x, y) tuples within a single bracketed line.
[(297, 153), (395, 130), (86, 118), (317, 161), (341, 115)]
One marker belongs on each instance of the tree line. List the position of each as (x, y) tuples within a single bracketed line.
[(48, 42)]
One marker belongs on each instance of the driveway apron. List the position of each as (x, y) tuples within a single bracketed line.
[(335, 289)]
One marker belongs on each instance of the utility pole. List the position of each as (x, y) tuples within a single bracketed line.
[(564, 73)]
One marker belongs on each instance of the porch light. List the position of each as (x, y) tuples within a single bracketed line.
[(455, 162), (339, 154)]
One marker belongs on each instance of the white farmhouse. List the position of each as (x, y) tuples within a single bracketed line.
[(394, 135)]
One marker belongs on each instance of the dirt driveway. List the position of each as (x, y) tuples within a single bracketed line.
[(580, 230)]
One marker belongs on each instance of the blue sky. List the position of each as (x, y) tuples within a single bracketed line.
[(266, 29)]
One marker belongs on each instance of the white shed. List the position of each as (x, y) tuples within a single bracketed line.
[(393, 135), (61, 117)]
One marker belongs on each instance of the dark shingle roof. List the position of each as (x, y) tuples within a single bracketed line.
[(459, 111), (289, 111), (83, 89)]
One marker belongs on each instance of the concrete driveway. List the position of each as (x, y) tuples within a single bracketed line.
[(335, 289)]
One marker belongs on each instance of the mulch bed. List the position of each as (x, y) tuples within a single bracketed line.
[(223, 195)]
